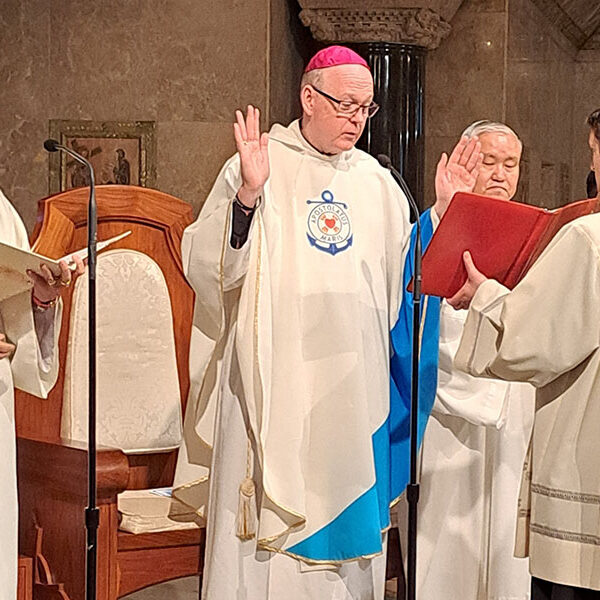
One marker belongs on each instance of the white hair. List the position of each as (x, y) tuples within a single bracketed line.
[(485, 126), (314, 78)]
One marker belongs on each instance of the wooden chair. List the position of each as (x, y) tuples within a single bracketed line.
[(52, 472)]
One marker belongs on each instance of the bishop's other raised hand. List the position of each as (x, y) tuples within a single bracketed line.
[(252, 147)]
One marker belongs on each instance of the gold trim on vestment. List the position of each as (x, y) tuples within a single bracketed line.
[(566, 536), (222, 298), (209, 362), (186, 486), (190, 484), (422, 323), (311, 561), (571, 496)]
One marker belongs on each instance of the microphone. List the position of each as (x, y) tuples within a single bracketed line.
[(386, 163), (412, 489), (54, 146), (51, 145), (92, 513)]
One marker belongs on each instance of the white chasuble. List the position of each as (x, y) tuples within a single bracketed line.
[(29, 369), (472, 459), (291, 351)]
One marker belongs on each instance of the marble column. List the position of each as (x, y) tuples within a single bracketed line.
[(394, 41)]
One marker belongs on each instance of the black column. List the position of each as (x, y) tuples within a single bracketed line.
[(397, 129)]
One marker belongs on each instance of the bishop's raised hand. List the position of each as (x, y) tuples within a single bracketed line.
[(252, 147)]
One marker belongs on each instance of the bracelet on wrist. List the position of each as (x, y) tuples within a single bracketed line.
[(42, 305), (241, 205)]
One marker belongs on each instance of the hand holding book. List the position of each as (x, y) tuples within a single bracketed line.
[(504, 239), (15, 263)]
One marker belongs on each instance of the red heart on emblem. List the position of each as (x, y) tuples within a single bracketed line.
[(330, 223)]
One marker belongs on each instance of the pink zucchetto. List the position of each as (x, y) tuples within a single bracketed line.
[(332, 56)]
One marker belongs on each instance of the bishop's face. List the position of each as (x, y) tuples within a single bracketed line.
[(330, 131), (499, 173)]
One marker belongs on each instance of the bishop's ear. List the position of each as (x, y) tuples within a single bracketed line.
[(307, 99)]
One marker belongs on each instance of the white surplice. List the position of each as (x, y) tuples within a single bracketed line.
[(546, 332), (290, 349), (472, 459), (31, 369)]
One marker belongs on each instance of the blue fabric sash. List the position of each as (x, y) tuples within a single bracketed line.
[(401, 366)]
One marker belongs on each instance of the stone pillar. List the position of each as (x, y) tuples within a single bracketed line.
[(394, 41)]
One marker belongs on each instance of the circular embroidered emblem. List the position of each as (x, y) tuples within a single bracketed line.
[(329, 227)]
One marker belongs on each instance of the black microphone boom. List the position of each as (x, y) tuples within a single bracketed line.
[(91, 512), (412, 489)]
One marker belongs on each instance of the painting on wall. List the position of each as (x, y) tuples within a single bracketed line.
[(120, 153)]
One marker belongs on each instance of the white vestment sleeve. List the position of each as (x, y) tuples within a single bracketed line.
[(34, 367), (529, 334), (34, 363), (206, 245), (479, 401)]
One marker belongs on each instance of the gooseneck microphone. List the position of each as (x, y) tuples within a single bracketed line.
[(91, 511), (412, 489), (52, 145), (386, 163)]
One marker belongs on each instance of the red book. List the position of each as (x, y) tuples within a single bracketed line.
[(504, 238)]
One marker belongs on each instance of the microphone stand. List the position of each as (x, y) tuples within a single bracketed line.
[(412, 489), (91, 512)]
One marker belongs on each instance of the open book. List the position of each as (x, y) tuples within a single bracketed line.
[(14, 263), (504, 238)]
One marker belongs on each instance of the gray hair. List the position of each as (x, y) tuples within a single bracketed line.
[(314, 78), (485, 126)]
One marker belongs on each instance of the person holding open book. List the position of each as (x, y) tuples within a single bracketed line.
[(477, 434), (29, 328), (547, 332)]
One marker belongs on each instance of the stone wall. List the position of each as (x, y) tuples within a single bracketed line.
[(504, 60), (186, 64), (586, 100)]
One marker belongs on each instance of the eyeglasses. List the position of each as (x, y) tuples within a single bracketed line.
[(348, 109)]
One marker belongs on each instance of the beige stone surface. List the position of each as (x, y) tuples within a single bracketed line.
[(289, 51), (464, 76), (505, 60), (190, 156), (586, 100), (186, 64), (540, 91), (464, 80)]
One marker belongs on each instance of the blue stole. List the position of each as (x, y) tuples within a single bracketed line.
[(401, 366)]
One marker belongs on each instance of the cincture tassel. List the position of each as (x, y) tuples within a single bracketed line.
[(246, 516)]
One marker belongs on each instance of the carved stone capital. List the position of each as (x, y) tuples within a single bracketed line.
[(415, 26)]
